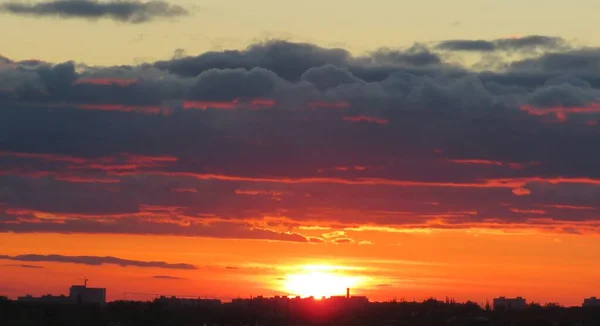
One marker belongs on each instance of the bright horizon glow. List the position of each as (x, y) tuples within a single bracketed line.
[(320, 281)]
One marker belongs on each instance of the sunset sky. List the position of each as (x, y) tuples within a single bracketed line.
[(241, 148)]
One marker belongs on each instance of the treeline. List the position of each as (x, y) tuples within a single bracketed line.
[(156, 313)]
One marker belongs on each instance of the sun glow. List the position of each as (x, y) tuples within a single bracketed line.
[(320, 281)]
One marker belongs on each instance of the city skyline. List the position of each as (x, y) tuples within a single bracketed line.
[(500, 302), (447, 153)]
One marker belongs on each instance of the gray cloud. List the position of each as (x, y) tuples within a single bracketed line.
[(581, 62), (506, 44), (96, 260), (291, 60), (123, 11), (281, 127)]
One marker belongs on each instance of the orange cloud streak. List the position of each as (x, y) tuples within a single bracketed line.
[(528, 211), (514, 183), (520, 191)]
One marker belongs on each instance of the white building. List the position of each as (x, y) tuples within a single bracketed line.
[(503, 303)]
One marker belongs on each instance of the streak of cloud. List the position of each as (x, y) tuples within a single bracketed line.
[(129, 11), (96, 260)]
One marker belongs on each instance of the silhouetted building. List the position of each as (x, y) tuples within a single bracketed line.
[(503, 303), (175, 302), (591, 302), (83, 294), (44, 299)]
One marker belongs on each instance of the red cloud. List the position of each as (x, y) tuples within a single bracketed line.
[(561, 113), (83, 179), (573, 207), (229, 105), (362, 118), (183, 190), (350, 168), (45, 157), (121, 162), (205, 105)]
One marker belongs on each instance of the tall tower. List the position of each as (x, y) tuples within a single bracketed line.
[(347, 293)]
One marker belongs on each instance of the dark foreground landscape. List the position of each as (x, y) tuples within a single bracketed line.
[(285, 312)]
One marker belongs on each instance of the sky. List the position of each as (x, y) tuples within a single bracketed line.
[(226, 149)]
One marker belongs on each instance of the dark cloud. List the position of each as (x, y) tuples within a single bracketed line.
[(505, 44), (122, 11), (291, 60), (417, 55), (329, 76), (467, 45), (200, 146), (154, 221), (96, 260), (27, 266), (4, 60), (584, 62)]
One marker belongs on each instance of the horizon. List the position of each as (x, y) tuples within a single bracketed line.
[(231, 148), (347, 294)]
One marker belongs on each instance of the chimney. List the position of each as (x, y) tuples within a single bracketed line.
[(347, 293)]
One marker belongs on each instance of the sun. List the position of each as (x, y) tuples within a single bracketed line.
[(319, 281)]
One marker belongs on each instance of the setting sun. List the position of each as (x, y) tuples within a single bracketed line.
[(320, 281)]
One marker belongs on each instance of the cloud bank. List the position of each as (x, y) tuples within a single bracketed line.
[(96, 260), (122, 11), (266, 142)]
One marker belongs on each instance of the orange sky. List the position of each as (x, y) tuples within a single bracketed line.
[(459, 264)]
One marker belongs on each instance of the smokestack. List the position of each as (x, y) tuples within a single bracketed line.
[(347, 293)]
